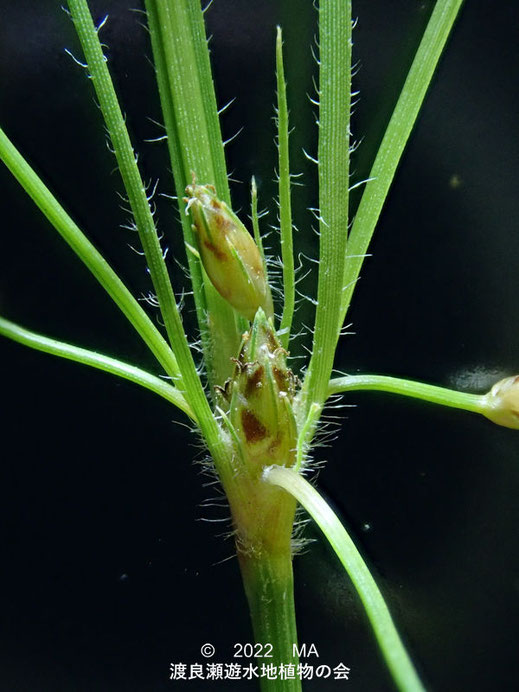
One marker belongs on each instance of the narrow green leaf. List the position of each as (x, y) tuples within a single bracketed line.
[(96, 360), (333, 165), (191, 385), (394, 141), (255, 223), (285, 208), (88, 254), (397, 659), (126, 159)]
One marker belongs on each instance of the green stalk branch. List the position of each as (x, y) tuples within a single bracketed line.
[(191, 385), (393, 651), (285, 210), (96, 360), (416, 390), (394, 142), (88, 254), (333, 165)]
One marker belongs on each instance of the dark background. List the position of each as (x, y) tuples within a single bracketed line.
[(108, 572)]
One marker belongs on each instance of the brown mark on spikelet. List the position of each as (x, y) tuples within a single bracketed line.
[(254, 430)]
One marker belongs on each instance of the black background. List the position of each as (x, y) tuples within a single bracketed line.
[(108, 572)]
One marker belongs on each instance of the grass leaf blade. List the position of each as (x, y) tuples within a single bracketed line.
[(88, 254), (285, 209), (96, 360), (394, 141), (397, 659), (333, 166)]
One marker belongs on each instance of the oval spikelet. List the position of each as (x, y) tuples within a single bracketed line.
[(262, 396), (503, 403), (228, 252)]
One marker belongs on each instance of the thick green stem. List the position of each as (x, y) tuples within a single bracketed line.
[(269, 587), (264, 517)]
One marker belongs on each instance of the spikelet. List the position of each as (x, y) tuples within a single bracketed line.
[(228, 252), (260, 399), (503, 403)]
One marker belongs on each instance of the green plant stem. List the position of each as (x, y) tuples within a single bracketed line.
[(416, 390), (191, 385), (269, 586), (333, 166), (285, 210), (394, 142), (88, 254), (96, 360), (393, 650)]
